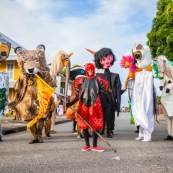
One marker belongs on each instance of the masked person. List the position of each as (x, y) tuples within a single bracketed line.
[(89, 91), (104, 59)]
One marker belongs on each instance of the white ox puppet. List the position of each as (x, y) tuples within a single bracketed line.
[(142, 96), (165, 71)]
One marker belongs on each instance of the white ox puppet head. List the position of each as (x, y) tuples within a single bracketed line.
[(141, 55)]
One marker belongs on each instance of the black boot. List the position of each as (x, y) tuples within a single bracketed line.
[(168, 138), (137, 131), (0, 139)]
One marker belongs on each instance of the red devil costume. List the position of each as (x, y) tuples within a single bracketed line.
[(90, 91), (104, 59)]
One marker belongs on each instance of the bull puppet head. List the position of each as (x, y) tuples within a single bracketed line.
[(5, 47), (31, 61)]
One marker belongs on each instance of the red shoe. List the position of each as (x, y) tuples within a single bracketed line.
[(97, 149), (86, 148)]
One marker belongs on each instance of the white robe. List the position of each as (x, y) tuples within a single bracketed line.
[(142, 103)]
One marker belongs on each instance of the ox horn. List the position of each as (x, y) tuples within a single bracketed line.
[(92, 52), (70, 54)]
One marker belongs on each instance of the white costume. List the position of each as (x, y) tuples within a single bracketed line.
[(166, 71), (142, 96)]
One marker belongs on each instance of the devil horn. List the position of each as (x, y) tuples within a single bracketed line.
[(92, 52)]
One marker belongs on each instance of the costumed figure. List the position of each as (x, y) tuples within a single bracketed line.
[(165, 72), (128, 62), (5, 47), (60, 61), (104, 59), (75, 72), (89, 90), (31, 98), (142, 96)]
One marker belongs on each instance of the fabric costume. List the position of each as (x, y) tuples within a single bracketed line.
[(142, 96), (165, 72), (104, 59), (89, 89), (25, 104), (5, 47)]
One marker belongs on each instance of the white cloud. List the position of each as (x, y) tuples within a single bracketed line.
[(116, 24)]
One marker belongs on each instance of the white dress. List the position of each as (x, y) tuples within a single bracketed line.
[(142, 103)]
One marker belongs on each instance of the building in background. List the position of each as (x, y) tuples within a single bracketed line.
[(11, 66)]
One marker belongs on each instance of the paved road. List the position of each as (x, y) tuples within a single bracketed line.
[(62, 153)]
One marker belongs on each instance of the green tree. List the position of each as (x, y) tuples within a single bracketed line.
[(160, 38)]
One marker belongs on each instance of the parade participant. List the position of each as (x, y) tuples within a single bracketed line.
[(89, 90), (31, 98), (5, 47), (142, 96), (165, 73), (104, 59)]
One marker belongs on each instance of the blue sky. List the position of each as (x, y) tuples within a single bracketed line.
[(73, 25)]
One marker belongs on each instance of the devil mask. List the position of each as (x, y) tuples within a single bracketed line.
[(90, 70)]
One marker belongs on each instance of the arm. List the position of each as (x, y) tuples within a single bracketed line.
[(68, 104)]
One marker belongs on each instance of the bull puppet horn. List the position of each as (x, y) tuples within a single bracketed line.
[(70, 54), (92, 52)]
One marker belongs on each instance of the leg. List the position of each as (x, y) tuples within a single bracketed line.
[(169, 127), (107, 115), (141, 134), (86, 135), (95, 147), (48, 127), (137, 131), (112, 120), (74, 125), (53, 118), (40, 125), (34, 134)]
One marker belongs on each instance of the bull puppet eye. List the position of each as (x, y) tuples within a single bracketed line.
[(66, 59), (3, 53)]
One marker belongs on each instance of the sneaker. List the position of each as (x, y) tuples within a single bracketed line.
[(97, 149), (86, 148), (139, 138), (146, 140)]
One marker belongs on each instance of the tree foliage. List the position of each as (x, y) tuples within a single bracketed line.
[(160, 38)]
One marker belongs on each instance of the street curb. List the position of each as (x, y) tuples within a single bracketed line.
[(6, 130)]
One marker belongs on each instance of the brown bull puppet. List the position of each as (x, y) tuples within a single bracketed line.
[(26, 104)]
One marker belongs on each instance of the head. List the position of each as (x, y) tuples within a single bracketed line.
[(5, 47), (31, 61), (142, 56), (161, 64), (104, 58), (77, 71), (90, 70)]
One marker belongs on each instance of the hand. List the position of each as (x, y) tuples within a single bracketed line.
[(68, 104)]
